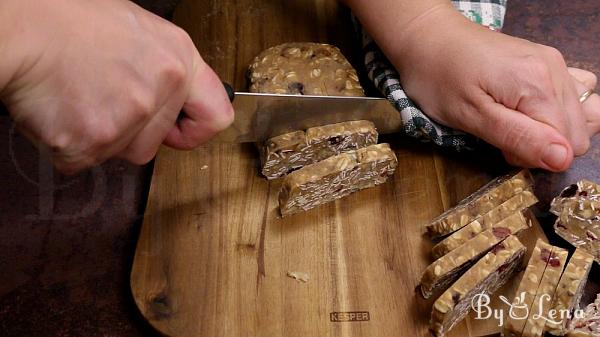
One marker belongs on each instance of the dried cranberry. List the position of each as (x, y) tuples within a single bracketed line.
[(502, 268), (550, 258), (456, 298), (296, 88), (569, 191), (583, 193), (555, 262), (498, 248), (501, 232), (545, 255), (560, 225)]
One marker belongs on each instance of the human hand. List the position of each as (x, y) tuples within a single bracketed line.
[(97, 79), (517, 95)]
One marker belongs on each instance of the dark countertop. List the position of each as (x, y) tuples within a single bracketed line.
[(66, 244)]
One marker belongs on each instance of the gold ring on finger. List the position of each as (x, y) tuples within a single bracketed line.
[(585, 96)]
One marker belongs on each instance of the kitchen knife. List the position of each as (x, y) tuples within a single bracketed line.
[(260, 116)]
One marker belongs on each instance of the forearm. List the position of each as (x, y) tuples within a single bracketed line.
[(397, 24)]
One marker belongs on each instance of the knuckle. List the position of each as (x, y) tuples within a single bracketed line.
[(538, 70), (182, 37), (514, 136), (58, 143), (174, 71), (583, 145), (592, 81), (141, 105), (102, 134), (554, 54)]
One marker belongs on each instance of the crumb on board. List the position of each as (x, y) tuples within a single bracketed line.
[(204, 167), (298, 276)]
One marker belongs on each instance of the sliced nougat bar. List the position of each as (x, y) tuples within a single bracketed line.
[(542, 303), (336, 177), (528, 287), (581, 227), (589, 324), (569, 291), (291, 151), (583, 189), (584, 332), (504, 215), (482, 201), (485, 277), (441, 273)]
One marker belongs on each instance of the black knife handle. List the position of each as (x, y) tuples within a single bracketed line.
[(230, 91)]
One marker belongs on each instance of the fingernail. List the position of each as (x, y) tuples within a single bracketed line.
[(555, 156)]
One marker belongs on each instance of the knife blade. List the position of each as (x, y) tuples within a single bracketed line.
[(260, 116)]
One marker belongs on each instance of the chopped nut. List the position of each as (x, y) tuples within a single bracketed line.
[(299, 276)]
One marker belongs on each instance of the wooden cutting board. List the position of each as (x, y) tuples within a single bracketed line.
[(213, 255)]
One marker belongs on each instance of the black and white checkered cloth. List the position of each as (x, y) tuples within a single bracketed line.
[(489, 13)]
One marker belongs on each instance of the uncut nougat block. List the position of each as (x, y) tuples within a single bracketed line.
[(569, 291), (336, 177), (522, 302), (589, 324), (583, 189), (542, 303), (303, 68), (482, 201), (485, 277), (441, 273), (508, 214), (285, 153)]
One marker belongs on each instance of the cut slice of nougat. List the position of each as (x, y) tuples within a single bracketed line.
[(485, 277), (508, 214), (522, 302), (288, 152), (441, 273), (336, 177), (569, 291), (583, 189), (589, 324), (580, 226), (482, 201), (542, 303)]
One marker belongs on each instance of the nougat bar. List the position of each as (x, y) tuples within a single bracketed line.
[(542, 303), (569, 291), (583, 189), (508, 214), (291, 151), (304, 68), (441, 273), (336, 177), (522, 302), (580, 226), (485, 277), (482, 201), (589, 324)]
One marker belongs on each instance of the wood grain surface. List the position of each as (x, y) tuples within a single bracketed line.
[(213, 255)]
